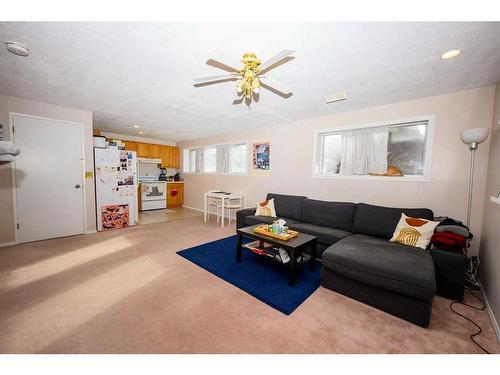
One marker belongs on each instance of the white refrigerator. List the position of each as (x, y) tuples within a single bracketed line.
[(116, 188)]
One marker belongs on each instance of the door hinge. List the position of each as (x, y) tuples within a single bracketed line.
[(17, 225)]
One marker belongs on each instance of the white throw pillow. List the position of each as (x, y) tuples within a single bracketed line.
[(266, 208), (414, 231)]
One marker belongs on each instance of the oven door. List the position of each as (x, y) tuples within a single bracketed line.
[(153, 191)]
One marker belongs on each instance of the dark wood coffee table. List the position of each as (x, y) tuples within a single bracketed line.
[(294, 247)]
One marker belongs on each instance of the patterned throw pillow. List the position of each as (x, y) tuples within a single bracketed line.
[(266, 208), (413, 231)]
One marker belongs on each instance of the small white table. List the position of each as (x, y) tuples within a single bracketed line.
[(222, 196)]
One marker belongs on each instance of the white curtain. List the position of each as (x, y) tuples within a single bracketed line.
[(222, 158), (364, 151), (198, 168)]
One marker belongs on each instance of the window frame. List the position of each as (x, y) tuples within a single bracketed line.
[(246, 143), (317, 158)]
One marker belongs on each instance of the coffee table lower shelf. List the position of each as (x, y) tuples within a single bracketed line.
[(294, 248), (271, 253)]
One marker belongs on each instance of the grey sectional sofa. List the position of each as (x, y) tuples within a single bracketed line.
[(357, 258)]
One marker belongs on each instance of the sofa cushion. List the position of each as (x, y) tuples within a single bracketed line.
[(398, 268), (325, 235), (288, 205), (381, 221), (254, 219), (339, 215)]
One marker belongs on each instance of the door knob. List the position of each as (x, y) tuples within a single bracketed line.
[(77, 186)]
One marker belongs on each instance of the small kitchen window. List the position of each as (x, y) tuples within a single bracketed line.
[(391, 150)]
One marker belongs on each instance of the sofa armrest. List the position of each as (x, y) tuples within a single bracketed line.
[(450, 273), (240, 216)]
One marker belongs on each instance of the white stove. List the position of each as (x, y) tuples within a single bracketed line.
[(153, 195)]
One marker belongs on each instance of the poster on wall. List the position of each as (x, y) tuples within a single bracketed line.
[(114, 216), (260, 155)]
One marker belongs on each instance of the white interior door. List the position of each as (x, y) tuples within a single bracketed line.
[(49, 178)]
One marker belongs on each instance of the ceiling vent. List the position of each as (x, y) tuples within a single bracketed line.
[(336, 97)]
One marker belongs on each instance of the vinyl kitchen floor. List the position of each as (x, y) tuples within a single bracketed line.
[(169, 214)]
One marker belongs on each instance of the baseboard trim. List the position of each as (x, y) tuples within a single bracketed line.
[(90, 231), (5, 244), (211, 213), (494, 322), (192, 208)]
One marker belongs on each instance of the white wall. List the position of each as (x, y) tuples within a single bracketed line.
[(30, 107), (292, 153), (489, 252)]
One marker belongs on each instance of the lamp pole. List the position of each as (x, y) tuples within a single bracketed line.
[(472, 148)]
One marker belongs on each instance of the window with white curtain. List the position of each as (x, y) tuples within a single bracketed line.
[(227, 158), (375, 150), (189, 160), (209, 160)]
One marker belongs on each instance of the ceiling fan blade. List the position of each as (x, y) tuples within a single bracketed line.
[(218, 64), (214, 79), (239, 99), (273, 60), (273, 86)]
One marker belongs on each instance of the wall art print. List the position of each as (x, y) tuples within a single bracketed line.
[(260, 155)]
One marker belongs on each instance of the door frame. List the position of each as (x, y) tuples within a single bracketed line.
[(13, 169)]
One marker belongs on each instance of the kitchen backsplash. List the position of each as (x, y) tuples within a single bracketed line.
[(152, 170)]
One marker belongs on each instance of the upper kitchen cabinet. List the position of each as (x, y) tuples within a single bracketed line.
[(174, 157), (142, 150), (154, 151), (165, 156), (130, 145)]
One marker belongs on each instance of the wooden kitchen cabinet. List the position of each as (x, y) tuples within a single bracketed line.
[(177, 161), (174, 157), (154, 151), (165, 156), (142, 150), (130, 145), (175, 194)]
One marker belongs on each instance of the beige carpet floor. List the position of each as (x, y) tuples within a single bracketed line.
[(126, 291)]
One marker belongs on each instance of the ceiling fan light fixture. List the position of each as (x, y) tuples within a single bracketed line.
[(249, 76)]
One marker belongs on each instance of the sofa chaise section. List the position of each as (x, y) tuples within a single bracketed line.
[(395, 278)]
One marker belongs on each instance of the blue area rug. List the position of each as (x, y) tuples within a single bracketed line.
[(260, 277)]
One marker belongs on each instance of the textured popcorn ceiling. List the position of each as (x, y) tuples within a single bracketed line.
[(140, 73)]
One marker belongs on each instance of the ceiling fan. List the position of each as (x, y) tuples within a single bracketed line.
[(250, 77)]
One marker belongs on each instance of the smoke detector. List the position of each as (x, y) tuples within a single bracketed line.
[(336, 97), (17, 48)]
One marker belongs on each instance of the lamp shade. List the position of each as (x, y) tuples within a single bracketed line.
[(476, 135)]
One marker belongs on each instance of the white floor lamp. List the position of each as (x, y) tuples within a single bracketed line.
[(472, 137)]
